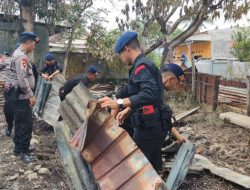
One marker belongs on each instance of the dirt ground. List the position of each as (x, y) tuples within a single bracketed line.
[(225, 145), (17, 175)]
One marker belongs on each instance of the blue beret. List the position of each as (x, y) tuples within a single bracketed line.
[(29, 36), (49, 56), (124, 39), (93, 70), (175, 69)]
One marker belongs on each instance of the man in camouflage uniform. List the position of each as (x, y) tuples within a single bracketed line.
[(7, 108), (20, 88)]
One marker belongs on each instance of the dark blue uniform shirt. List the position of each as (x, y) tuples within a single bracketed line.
[(145, 84), (70, 84), (145, 88), (50, 69)]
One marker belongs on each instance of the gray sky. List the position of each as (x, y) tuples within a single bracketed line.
[(115, 10)]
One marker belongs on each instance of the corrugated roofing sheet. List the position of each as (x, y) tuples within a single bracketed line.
[(116, 161)]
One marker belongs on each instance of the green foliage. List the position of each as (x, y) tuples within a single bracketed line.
[(100, 43), (8, 8), (241, 47), (165, 17), (155, 57)]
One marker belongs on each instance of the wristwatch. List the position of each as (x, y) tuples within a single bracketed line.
[(120, 103)]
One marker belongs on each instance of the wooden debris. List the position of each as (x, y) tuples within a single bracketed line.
[(174, 146), (237, 119), (185, 114), (225, 173), (181, 165), (193, 169)]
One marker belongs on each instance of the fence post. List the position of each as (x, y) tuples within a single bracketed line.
[(248, 95), (216, 92), (193, 76)]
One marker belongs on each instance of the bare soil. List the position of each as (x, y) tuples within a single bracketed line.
[(225, 145), (46, 154)]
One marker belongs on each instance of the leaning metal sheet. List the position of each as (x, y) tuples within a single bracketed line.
[(116, 161)]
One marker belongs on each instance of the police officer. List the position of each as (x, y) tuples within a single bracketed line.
[(149, 117), (172, 75), (51, 67), (86, 78), (7, 108), (20, 90)]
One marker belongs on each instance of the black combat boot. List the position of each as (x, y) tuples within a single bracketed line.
[(8, 131), (27, 157)]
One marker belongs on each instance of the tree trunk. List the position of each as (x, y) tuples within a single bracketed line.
[(71, 38), (27, 19)]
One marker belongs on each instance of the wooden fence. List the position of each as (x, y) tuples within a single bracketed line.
[(206, 88), (212, 90)]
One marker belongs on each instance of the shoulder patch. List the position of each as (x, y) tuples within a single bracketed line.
[(24, 61), (138, 69)]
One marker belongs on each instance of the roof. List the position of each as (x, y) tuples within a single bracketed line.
[(57, 43)]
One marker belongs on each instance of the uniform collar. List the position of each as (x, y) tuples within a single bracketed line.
[(85, 77), (138, 57), (134, 65)]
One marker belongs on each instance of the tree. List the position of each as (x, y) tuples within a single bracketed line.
[(100, 44), (241, 46), (76, 19), (49, 10), (171, 14)]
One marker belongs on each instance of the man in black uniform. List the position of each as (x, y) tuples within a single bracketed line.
[(149, 117), (51, 67), (20, 91), (90, 75)]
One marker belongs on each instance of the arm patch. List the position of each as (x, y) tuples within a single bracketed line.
[(138, 69)]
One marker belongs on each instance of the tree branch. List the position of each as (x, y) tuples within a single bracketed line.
[(192, 28), (172, 11), (153, 47)]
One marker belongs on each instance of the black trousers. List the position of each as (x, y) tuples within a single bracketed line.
[(8, 110), (23, 126), (152, 150)]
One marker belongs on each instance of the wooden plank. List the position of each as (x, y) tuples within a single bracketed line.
[(185, 114), (237, 119), (225, 173), (181, 165), (216, 92)]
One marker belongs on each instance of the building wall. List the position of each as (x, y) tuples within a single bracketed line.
[(9, 37), (201, 49), (222, 43), (78, 63)]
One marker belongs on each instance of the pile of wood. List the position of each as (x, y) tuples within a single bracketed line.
[(232, 95)]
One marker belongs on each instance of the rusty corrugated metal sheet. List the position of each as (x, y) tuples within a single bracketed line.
[(116, 161)]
